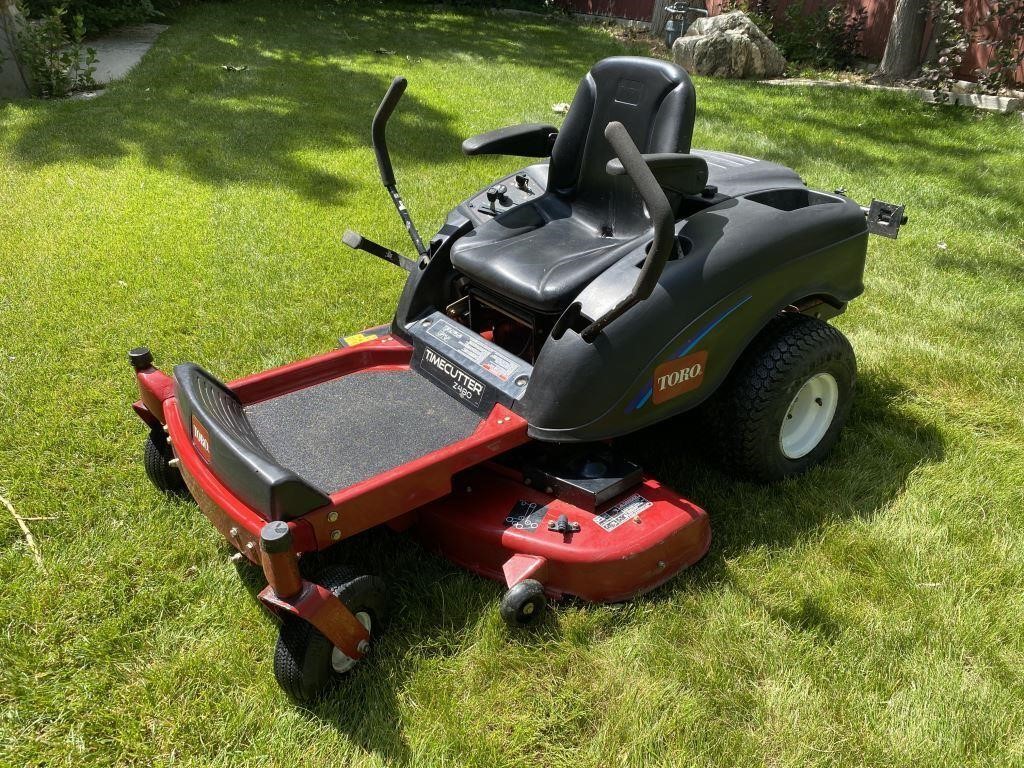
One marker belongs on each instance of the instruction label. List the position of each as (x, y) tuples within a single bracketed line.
[(478, 350), (622, 512)]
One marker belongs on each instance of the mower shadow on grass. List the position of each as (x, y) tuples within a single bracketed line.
[(883, 443)]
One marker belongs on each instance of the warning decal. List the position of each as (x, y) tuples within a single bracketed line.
[(622, 512), (487, 356)]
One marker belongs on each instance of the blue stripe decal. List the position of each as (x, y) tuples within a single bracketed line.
[(641, 400)]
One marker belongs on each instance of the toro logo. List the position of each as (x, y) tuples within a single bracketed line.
[(201, 439), (675, 377)]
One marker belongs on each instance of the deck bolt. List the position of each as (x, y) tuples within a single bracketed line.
[(250, 546), (233, 532), (661, 564), (363, 647), (637, 520), (549, 489), (167, 429), (527, 481), (332, 516), (469, 489), (174, 463), (335, 535)]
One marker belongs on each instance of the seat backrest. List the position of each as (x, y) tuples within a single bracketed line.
[(655, 101)]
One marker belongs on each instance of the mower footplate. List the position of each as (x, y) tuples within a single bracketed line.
[(333, 445), (497, 526)]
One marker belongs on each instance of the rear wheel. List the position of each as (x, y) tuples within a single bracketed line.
[(306, 664), (783, 406), (157, 456)]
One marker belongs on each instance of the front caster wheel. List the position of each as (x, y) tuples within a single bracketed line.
[(524, 604), (157, 457), (306, 664)]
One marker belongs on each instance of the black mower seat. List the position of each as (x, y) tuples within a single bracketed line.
[(542, 254), (541, 265)]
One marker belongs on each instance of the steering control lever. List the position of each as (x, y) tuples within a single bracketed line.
[(380, 149), (661, 217)]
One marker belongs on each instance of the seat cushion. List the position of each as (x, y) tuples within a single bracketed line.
[(543, 266)]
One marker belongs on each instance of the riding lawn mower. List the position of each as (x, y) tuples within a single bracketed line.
[(618, 281)]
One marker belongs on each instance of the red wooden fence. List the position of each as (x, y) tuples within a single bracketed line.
[(637, 10), (876, 31)]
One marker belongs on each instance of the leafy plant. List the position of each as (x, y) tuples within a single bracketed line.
[(53, 54), (1002, 31), (761, 12), (825, 38), (950, 43), (99, 15)]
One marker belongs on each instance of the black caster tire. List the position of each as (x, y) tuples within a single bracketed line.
[(306, 664), (781, 409), (524, 604), (157, 457)]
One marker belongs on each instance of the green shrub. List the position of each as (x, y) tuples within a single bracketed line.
[(102, 15), (824, 38), (55, 56), (97, 15)]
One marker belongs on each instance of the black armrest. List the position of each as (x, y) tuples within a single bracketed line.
[(682, 174), (528, 140)]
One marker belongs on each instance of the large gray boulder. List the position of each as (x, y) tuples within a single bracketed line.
[(730, 45)]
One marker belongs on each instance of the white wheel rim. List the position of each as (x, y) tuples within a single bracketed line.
[(341, 663), (809, 416)]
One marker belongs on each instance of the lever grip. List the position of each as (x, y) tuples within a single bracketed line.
[(661, 217), (657, 205), (380, 122)]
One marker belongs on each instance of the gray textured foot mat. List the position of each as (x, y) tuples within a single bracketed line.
[(345, 430)]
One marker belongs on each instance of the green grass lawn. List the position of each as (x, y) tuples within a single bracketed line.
[(869, 613)]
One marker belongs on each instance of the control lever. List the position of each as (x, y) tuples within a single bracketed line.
[(357, 242), (387, 173), (523, 182), (662, 220)]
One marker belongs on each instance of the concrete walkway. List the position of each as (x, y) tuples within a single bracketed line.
[(122, 49)]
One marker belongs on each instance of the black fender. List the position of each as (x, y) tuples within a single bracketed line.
[(745, 261)]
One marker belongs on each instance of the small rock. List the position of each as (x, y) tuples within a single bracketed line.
[(942, 245), (561, 107)]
